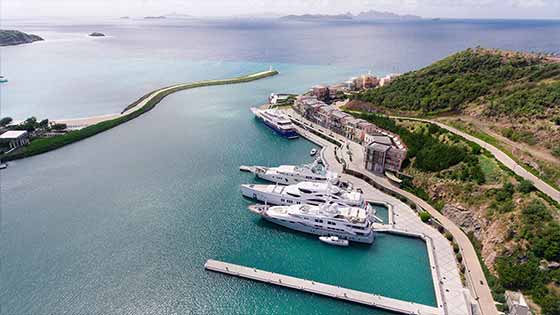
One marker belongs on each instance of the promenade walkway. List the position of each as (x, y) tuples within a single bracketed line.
[(500, 156), (407, 219)]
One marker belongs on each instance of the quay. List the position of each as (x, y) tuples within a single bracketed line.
[(328, 290), (450, 293)]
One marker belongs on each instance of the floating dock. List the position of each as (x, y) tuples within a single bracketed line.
[(328, 290)]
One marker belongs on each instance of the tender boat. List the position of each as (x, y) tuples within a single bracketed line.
[(313, 152), (334, 240), (303, 193), (277, 121), (3, 166), (344, 222), (293, 174)]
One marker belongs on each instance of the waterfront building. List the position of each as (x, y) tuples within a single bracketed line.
[(383, 153), (366, 81), (387, 79), (516, 303), (336, 89), (321, 92), (15, 138), (350, 85)]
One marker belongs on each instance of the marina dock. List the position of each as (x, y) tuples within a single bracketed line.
[(328, 290)]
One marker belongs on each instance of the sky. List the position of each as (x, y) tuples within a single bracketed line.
[(528, 9)]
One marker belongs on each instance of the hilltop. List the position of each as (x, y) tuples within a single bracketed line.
[(511, 99), (13, 37), (499, 82)]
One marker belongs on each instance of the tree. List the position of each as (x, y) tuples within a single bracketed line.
[(5, 121), (43, 124), (525, 186), (425, 216)]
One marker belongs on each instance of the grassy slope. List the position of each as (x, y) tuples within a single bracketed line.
[(47, 144), (517, 94), (506, 84)]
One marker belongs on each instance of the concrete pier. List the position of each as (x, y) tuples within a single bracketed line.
[(328, 290)]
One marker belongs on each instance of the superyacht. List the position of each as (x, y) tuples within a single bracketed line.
[(303, 193), (344, 222)]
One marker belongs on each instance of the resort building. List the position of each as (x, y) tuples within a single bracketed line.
[(15, 138), (321, 92), (384, 154), (366, 81), (516, 303), (384, 150), (336, 89), (387, 79)]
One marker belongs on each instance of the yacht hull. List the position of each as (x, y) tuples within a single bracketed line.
[(368, 239), (289, 134), (276, 198)]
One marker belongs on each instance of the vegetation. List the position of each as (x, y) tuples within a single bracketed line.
[(432, 148), (43, 145), (528, 220), (425, 216), (520, 270), (506, 83), (5, 121)]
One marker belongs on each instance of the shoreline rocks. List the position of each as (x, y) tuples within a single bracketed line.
[(14, 37)]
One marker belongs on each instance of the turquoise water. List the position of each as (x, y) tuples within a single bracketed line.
[(122, 223), (382, 212)]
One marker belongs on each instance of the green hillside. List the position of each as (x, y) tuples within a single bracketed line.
[(505, 83)]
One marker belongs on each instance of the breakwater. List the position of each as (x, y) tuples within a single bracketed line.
[(139, 107)]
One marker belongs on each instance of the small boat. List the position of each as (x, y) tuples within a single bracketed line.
[(3, 166), (313, 152), (3, 80), (334, 240)]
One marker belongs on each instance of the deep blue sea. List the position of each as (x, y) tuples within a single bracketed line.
[(122, 223)]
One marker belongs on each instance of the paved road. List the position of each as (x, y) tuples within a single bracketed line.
[(500, 156), (476, 279)]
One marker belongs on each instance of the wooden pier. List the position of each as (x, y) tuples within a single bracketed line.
[(328, 290)]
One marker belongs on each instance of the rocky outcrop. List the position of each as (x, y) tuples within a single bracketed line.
[(96, 34), (464, 218), (13, 37)]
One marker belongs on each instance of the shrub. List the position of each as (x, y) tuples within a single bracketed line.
[(448, 236), (425, 216), (459, 257), (455, 247), (525, 186)]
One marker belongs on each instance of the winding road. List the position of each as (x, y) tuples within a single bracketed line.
[(499, 155)]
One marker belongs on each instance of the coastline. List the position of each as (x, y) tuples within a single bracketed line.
[(94, 125)]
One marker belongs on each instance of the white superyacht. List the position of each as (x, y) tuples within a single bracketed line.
[(293, 174), (344, 222), (303, 193)]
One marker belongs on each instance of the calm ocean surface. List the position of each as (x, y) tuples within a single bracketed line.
[(122, 223)]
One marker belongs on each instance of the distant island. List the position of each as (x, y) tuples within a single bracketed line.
[(370, 15), (96, 34), (154, 17), (13, 37)]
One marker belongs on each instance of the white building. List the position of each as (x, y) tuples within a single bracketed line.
[(15, 138), (516, 303)]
